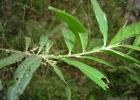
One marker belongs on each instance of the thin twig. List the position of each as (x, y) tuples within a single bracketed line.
[(87, 20), (80, 2), (3, 34)]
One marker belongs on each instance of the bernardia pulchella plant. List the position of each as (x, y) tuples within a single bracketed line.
[(76, 31)]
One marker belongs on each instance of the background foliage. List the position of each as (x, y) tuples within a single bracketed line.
[(19, 18)]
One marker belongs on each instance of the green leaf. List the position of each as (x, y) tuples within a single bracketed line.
[(135, 78), (131, 47), (68, 93), (100, 61), (22, 76), (27, 42), (76, 27), (126, 32), (1, 87), (16, 57), (59, 73), (42, 42), (92, 73), (69, 38), (101, 19), (136, 43), (128, 68), (84, 40), (122, 55)]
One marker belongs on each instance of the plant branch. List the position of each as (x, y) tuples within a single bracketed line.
[(51, 56)]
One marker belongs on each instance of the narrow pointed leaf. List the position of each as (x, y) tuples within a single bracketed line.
[(122, 55), (76, 27), (16, 57), (126, 32), (59, 73), (92, 73), (22, 76), (101, 19), (1, 87), (68, 93), (131, 47), (100, 61), (136, 43), (27, 42), (84, 39), (69, 38), (42, 43)]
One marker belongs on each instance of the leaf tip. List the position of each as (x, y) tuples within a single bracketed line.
[(50, 7)]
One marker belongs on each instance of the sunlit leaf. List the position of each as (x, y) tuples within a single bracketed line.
[(76, 27), (122, 55), (92, 73), (126, 32), (100, 61), (22, 76), (101, 19), (69, 38), (27, 42), (16, 57)]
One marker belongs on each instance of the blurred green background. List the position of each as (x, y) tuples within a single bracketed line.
[(31, 18)]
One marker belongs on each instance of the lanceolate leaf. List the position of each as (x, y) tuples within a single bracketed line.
[(42, 43), (76, 27), (126, 32), (100, 61), (122, 55), (59, 73), (16, 57), (136, 43), (101, 19), (68, 93), (131, 47), (27, 42), (84, 40), (22, 76), (92, 73), (1, 87), (69, 38)]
